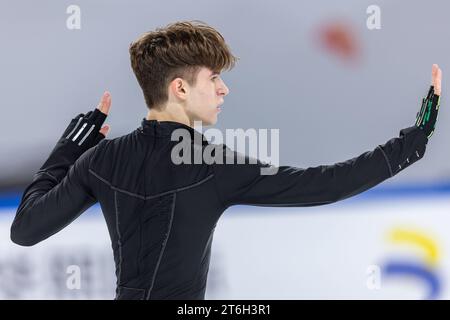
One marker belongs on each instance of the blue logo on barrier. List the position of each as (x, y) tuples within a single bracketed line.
[(424, 269)]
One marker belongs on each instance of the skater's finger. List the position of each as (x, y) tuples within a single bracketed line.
[(105, 103)]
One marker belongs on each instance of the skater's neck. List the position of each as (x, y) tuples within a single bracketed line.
[(172, 112)]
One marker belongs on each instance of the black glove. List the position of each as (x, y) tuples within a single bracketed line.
[(427, 116), (83, 130), (82, 134)]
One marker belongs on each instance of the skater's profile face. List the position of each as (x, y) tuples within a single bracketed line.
[(203, 100)]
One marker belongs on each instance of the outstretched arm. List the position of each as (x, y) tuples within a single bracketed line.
[(60, 191), (291, 186)]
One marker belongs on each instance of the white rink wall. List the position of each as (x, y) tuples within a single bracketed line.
[(326, 252)]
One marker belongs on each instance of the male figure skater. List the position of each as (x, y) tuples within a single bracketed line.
[(161, 216)]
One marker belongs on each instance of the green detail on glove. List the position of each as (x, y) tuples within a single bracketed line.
[(427, 116)]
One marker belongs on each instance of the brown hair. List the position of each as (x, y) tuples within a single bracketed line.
[(177, 50)]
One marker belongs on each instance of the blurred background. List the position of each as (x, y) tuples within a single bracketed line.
[(336, 78)]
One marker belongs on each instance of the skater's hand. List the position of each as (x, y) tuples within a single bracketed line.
[(427, 116), (104, 106), (436, 77), (87, 130)]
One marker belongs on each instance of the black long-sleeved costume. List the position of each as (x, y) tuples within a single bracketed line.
[(161, 216)]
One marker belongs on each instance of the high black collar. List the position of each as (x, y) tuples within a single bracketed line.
[(165, 128)]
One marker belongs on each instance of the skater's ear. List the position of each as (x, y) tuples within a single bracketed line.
[(179, 89)]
